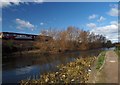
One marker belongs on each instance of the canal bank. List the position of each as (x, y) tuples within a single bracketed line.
[(77, 71), (82, 70), (16, 68)]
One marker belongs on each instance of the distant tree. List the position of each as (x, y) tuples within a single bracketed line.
[(109, 44)]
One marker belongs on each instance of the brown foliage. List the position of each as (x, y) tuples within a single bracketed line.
[(70, 39)]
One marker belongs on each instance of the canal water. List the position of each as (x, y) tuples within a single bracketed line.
[(19, 67)]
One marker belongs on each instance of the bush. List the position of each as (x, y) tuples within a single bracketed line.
[(10, 44)]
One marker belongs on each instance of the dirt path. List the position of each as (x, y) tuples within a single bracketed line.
[(109, 73)]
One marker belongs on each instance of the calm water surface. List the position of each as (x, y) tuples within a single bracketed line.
[(31, 66)]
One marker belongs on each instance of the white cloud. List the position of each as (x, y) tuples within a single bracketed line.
[(38, 1), (41, 23), (101, 19), (91, 25), (114, 10), (6, 3), (24, 24), (114, 22), (109, 31), (114, 5), (92, 16), (106, 29), (113, 37)]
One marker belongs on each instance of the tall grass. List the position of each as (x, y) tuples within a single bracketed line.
[(117, 50)]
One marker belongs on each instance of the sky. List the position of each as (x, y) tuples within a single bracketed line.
[(32, 17)]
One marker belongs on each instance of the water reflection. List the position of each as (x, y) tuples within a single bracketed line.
[(25, 66)]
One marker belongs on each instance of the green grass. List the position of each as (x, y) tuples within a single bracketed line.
[(117, 50), (101, 59)]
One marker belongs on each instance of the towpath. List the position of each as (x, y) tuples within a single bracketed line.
[(109, 72)]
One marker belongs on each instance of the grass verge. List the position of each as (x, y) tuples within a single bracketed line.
[(101, 59), (117, 51)]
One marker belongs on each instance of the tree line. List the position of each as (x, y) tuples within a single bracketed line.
[(70, 39)]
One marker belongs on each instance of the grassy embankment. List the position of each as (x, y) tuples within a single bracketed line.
[(73, 72), (117, 50), (101, 60)]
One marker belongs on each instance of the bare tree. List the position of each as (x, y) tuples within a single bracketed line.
[(70, 39)]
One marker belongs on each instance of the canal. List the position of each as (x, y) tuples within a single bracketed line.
[(19, 67)]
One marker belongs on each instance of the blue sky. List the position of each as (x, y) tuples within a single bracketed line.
[(97, 17)]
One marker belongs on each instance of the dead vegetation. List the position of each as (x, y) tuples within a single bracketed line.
[(70, 39)]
